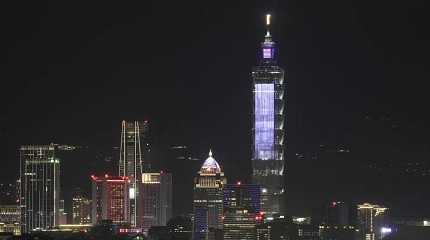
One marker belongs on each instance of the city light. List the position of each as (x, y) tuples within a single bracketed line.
[(313, 174), (264, 121), (268, 16), (131, 193)]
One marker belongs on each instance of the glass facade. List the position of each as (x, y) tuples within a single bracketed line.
[(40, 187), (264, 121), (156, 193), (110, 199), (268, 132), (134, 151), (241, 210)]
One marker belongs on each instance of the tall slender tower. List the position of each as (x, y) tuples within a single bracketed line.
[(131, 162), (40, 187), (268, 127)]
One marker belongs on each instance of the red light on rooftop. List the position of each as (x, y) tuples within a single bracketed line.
[(239, 183), (106, 176), (333, 204)]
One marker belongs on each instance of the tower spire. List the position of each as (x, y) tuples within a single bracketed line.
[(210, 152), (268, 46), (268, 19)]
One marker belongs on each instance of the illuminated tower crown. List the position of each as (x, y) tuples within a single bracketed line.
[(268, 48)]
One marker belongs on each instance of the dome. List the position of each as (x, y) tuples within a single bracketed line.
[(210, 164)]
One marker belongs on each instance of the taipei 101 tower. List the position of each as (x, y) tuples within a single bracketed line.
[(268, 126)]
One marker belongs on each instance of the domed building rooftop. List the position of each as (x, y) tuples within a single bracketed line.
[(211, 165)]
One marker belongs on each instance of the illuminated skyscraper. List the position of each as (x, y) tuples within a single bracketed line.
[(241, 211), (156, 198), (134, 146), (81, 208), (372, 221), (208, 200), (110, 199), (40, 187), (268, 130), (10, 219)]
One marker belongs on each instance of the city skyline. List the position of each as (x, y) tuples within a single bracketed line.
[(337, 100)]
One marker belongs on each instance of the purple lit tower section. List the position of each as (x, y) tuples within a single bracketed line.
[(268, 132)]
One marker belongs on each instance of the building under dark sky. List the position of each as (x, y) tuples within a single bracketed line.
[(268, 126), (357, 75)]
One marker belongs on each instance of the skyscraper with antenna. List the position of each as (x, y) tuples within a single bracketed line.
[(268, 126)]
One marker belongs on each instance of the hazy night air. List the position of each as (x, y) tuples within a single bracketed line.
[(321, 104)]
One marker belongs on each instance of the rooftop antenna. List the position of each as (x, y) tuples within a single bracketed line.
[(268, 20)]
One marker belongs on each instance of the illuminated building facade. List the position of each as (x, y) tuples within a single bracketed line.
[(40, 187), (372, 221), (81, 208), (110, 199), (156, 198), (10, 219), (208, 200), (133, 151), (241, 211), (268, 129)]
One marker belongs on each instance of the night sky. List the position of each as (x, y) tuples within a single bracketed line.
[(358, 76)]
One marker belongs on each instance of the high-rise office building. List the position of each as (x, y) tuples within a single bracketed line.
[(208, 200), (372, 221), (110, 199), (40, 187), (156, 199), (336, 222), (268, 129), (241, 211), (336, 213), (133, 154), (10, 219), (181, 161), (81, 209)]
